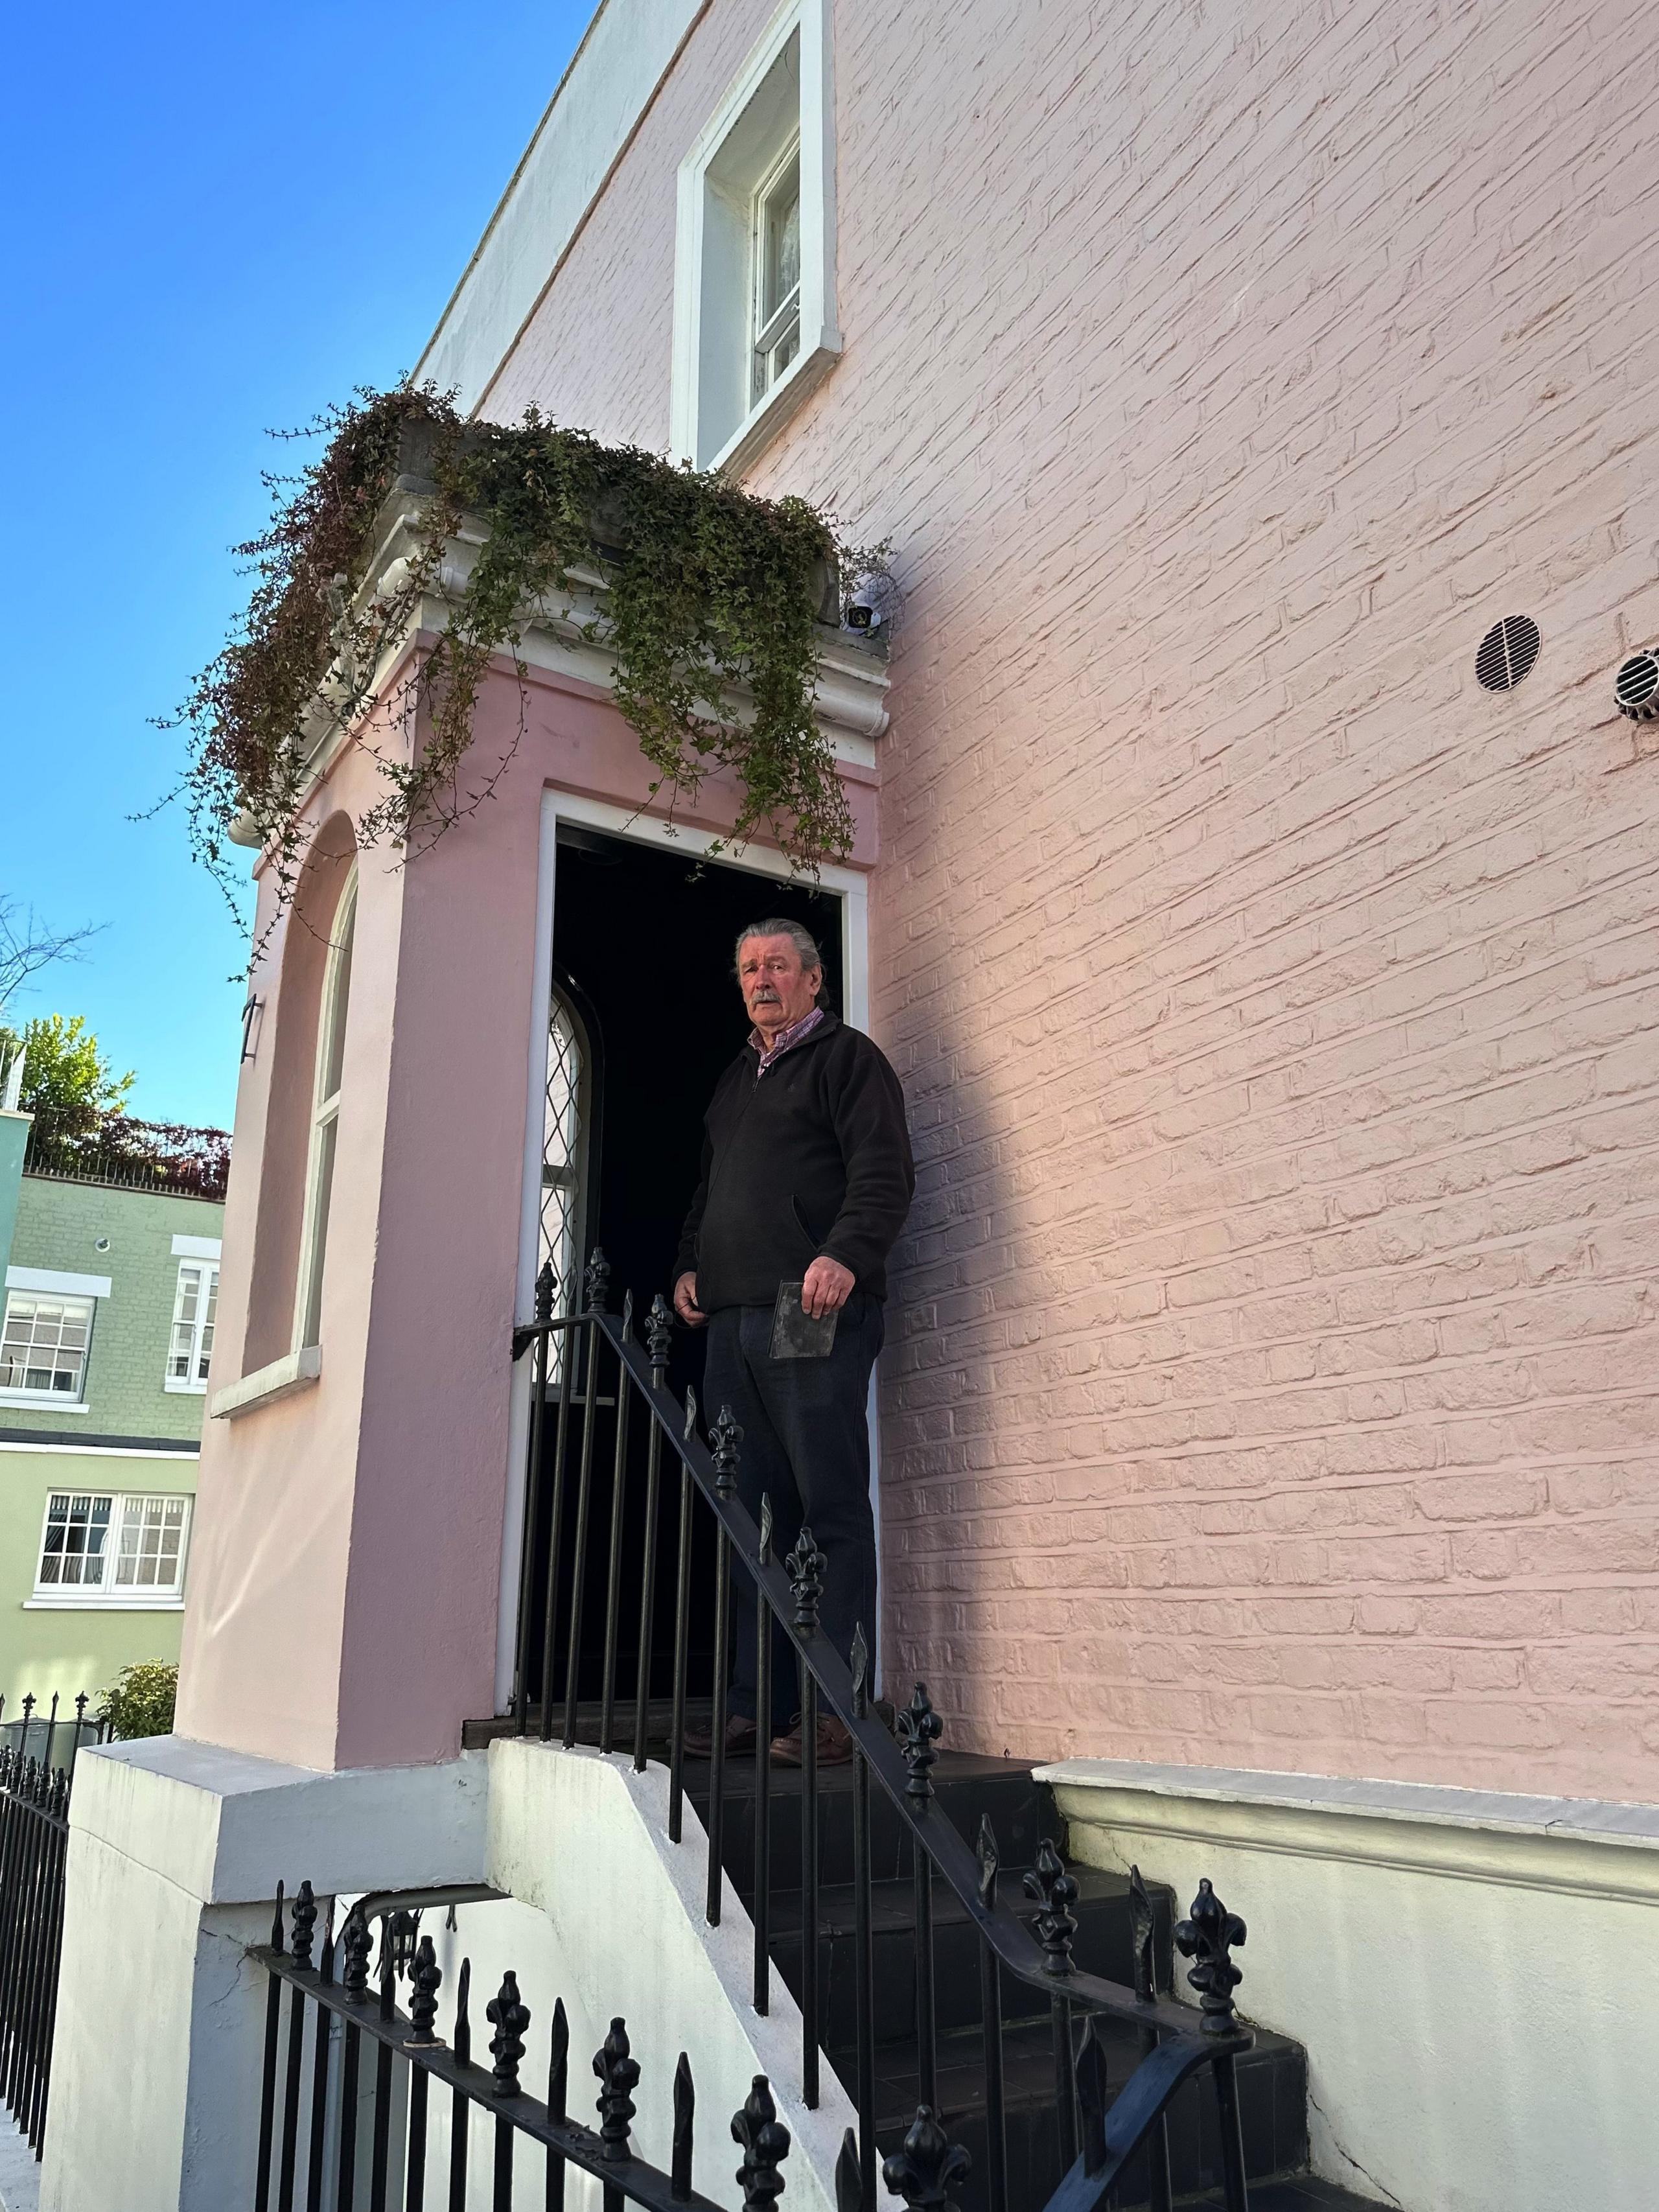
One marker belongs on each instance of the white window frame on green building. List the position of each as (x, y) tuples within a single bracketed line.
[(138, 1533), (31, 1293)]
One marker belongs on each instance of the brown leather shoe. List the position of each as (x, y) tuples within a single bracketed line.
[(741, 1734), (834, 1744)]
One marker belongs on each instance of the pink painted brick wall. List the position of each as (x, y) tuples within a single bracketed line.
[(1275, 1373)]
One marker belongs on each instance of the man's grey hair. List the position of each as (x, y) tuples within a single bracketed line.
[(799, 936)]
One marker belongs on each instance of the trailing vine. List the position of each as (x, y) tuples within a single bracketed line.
[(709, 590)]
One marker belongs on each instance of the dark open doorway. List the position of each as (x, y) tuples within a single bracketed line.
[(645, 1001)]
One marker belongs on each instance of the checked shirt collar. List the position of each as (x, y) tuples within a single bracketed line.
[(785, 1038)]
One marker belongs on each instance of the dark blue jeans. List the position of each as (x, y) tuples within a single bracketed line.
[(806, 1446)]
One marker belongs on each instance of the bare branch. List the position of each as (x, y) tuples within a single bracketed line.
[(27, 946)]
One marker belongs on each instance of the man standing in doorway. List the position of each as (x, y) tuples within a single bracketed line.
[(806, 1177)]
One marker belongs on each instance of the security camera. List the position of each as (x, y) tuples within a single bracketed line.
[(872, 610)]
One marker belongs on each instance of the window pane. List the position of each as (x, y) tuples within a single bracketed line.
[(780, 241), (193, 1311), (152, 1540), (72, 1554), (322, 1192), (44, 1344), (334, 1012)]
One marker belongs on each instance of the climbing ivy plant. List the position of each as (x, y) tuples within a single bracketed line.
[(709, 589)]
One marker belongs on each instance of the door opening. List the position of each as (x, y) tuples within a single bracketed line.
[(646, 1014)]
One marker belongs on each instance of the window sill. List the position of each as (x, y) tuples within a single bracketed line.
[(769, 414), (94, 1601), (296, 1371), (185, 1390), (44, 1401)]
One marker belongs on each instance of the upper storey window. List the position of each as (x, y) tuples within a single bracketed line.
[(754, 309), (325, 1116)]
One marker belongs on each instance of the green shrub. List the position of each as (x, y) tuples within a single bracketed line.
[(140, 1700)]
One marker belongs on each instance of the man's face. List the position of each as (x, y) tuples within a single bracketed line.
[(777, 990)]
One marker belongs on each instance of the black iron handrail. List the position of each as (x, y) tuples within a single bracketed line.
[(1097, 2141)]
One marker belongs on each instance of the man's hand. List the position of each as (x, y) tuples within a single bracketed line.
[(685, 1302), (826, 1289)]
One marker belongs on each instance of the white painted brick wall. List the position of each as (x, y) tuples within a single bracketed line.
[(1275, 1352)]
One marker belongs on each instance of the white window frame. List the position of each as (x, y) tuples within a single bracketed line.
[(193, 1382), (325, 1118), (128, 1509), (714, 306), (83, 1290)]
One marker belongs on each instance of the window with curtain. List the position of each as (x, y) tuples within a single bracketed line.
[(325, 1116)]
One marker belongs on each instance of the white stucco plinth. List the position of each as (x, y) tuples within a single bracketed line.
[(1467, 1969), (175, 1852)]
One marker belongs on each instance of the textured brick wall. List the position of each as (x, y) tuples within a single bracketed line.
[(59, 1226), (1274, 1376)]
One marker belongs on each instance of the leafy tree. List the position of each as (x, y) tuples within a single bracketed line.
[(68, 1085)]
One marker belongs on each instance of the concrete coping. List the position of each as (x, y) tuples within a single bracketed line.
[(1587, 1819)]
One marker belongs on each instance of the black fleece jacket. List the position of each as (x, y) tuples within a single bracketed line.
[(812, 1158)]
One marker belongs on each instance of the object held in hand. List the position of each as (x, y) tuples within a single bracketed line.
[(795, 1334)]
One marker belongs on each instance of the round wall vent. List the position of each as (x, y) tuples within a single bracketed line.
[(1636, 687), (1507, 653)]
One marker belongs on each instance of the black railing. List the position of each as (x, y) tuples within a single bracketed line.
[(362, 2103), (599, 1367), (34, 1844)]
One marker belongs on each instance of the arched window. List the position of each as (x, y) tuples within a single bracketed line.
[(565, 1126), (325, 1116)]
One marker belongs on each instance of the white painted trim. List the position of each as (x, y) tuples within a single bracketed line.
[(175, 1388), (295, 1371), (820, 332), (518, 1429), (1573, 1846), (42, 1402), (588, 125), (80, 1604), (52, 1282), (104, 1451), (851, 886), (198, 1248)]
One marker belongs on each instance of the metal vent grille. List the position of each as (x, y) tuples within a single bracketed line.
[(1507, 653), (1636, 687)]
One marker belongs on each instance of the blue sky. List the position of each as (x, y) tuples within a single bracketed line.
[(217, 221)]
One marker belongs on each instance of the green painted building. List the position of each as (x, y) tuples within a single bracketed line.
[(110, 1293)]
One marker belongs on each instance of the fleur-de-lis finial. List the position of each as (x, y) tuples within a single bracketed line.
[(1208, 1935), (1056, 1891), (596, 1281), (424, 1979), (860, 1666), (919, 1729), (546, 1283), (1142, 1930), (724, 1438), (765, 2141), (658, 1337), (806, 1565), (685, 2110), (356, 1943), (928, 2167), (618, 2073), (304, 1919), (989, 1862), (509, 2017)]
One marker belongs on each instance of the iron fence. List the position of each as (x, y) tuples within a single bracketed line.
[(1098, 2144), (363, 2103)]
